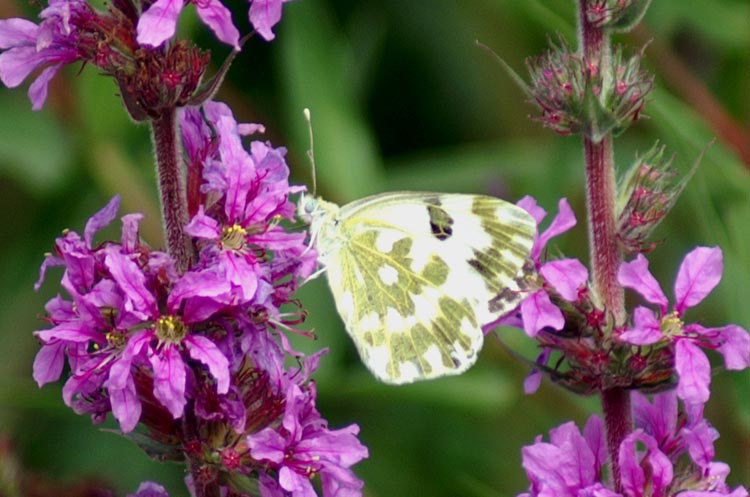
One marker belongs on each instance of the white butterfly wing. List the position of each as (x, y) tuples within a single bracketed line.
[(415, 276)]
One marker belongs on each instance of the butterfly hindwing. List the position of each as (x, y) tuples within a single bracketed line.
[(416, 275)]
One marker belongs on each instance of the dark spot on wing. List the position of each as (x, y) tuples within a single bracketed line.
[(441, 223)]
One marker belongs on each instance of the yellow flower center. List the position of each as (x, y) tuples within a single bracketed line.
[(115, 339), (671, 324), (170, 329), (233, 237)]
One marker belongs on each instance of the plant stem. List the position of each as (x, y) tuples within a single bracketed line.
[(600, 202), (171, 190), (594, 44)]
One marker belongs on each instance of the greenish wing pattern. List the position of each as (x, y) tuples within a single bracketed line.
[(512, 233), (385, 313)]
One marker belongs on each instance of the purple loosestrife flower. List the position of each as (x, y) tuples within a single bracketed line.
[(168, 342), (47, 46), (698, 275), (150, 80), (158, 23), (150, 489), (264, 15), (561, 283), (564, 276), (303, 447), (240, 229), (570, 464), (667, 454), (89, 330), (198, 357), (114, 326)]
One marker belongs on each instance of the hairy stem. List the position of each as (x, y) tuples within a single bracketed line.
[(171, 190), (600, 202), (594, 44)]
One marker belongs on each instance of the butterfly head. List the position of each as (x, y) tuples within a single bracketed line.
[(312, 210), (307, 205)]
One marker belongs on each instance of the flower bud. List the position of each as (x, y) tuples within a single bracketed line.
[(576, 96), (646, 194), (616, 15)]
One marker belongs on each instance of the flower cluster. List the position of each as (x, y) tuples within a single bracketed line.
[(146, 342), (646, 194), (575, 96), (132, 48), (159, 21), (698, 275), (561, 312), (616, 15), (71, 31), (669, 453)]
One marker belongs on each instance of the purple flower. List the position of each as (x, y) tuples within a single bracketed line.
[(652, 458), (264, 15), (666, 437), (303, 447), (645, 470), (167, 342), (158, 23), (698, 275), (242, 225), (47, 46), (115, 323), (565, 276), (150, 489), (570, 464)]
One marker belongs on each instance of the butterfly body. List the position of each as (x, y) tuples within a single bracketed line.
[(415, 275)]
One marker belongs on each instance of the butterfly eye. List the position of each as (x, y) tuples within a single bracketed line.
[(310, 206)]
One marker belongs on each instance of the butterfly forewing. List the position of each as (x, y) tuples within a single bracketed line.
[(416, 275)]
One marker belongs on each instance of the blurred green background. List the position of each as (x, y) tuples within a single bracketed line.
[(401, 98)]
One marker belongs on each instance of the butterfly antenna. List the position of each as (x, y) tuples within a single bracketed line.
[(311, 152)]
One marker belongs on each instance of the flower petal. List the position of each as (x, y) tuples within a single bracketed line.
[(169, 379), (267, 445), (699, 438), (132, 281), (48, 363), (563, 221), (650, 469), (566, 275), (699, 273), (645, 329), (694, 371), (735, 347), (264, 14), (150, 489), (203, 226), (17, 31), (204, 350), (539, 312), (158, 23), (636, 276), (101, 219), (126, 408), (38, 89), (219, 18)]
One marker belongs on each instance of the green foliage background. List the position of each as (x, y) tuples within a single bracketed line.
[(401, 98)]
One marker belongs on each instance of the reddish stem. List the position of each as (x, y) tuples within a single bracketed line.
[(600, 197), (171, 190), (594, 44)]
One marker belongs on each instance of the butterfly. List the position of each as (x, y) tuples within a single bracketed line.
[(415, 275)]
